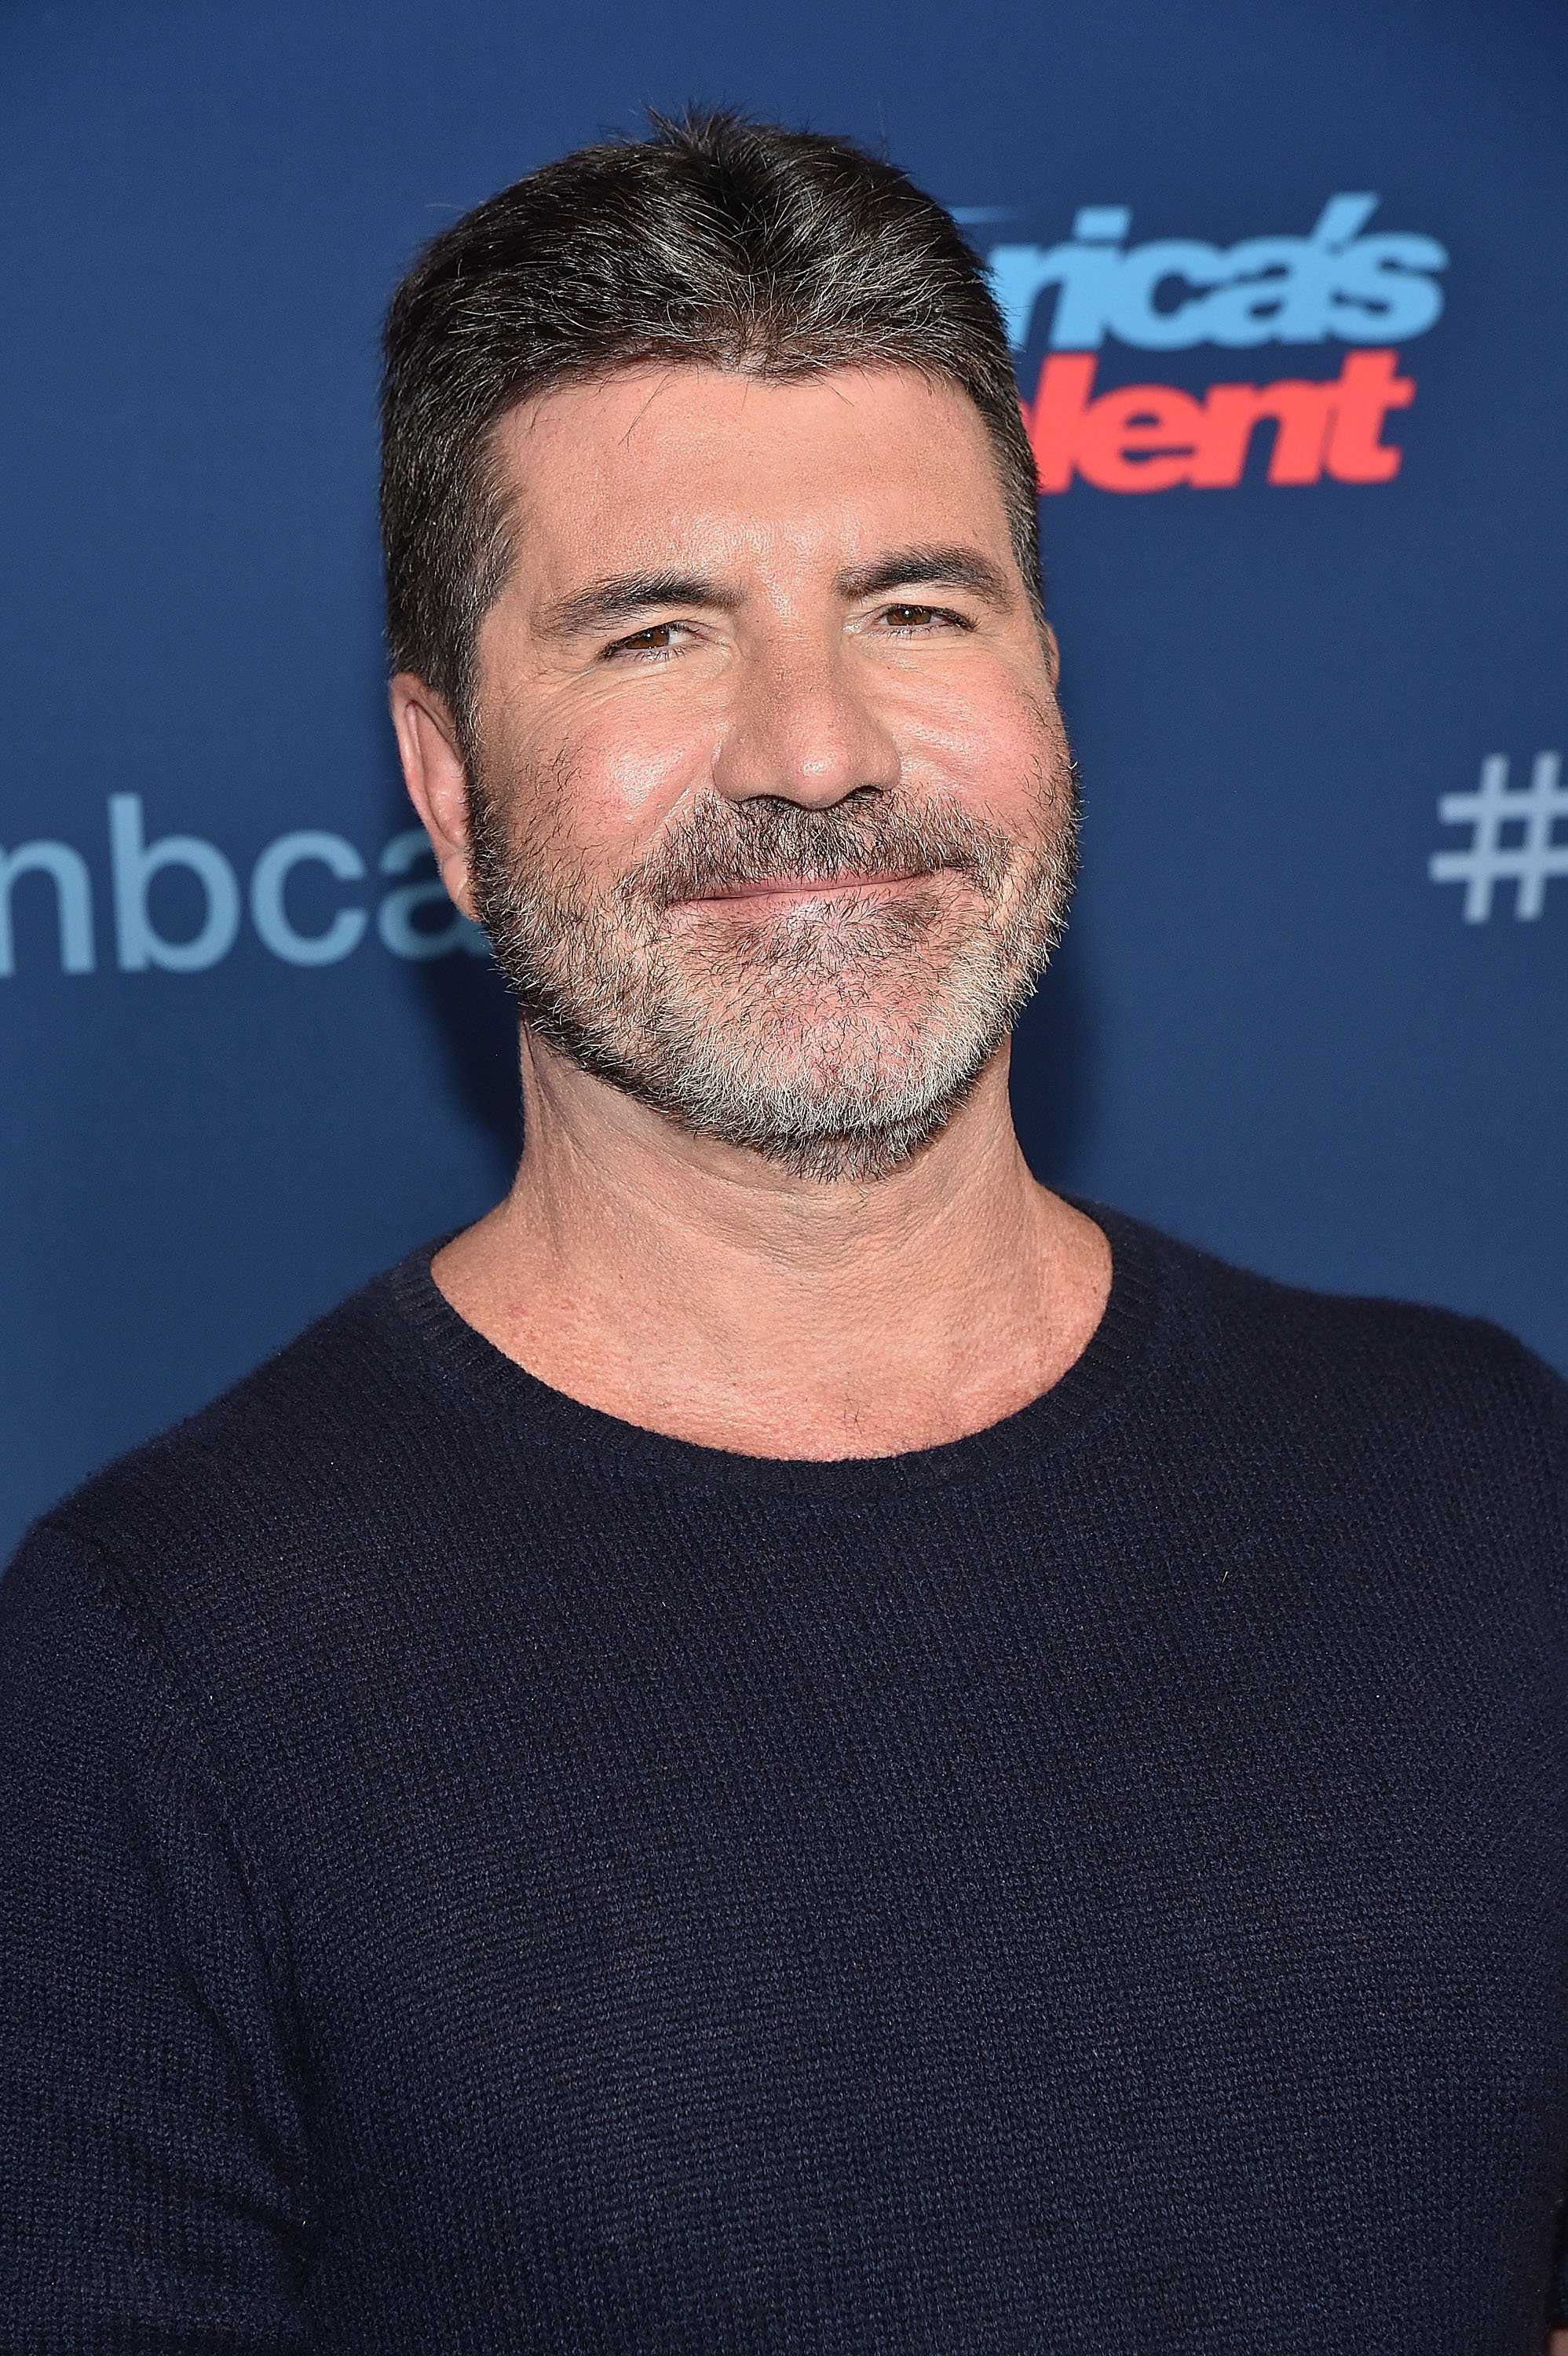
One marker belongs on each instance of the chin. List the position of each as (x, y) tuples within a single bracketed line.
[(806, 1106), (867, 1146)]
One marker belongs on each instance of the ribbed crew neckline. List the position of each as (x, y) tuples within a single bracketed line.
[(1122, 1349)]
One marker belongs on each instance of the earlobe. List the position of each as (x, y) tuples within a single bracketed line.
[(436, 778)]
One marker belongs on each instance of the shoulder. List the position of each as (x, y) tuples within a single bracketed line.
[(303, 1419), (1364, 1347), (1389, 1390), (259, 1508), (1231, 1315)]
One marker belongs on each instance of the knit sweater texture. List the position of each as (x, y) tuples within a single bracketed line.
[(480, 1877)]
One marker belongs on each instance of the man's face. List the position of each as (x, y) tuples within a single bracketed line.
[(772, 803)]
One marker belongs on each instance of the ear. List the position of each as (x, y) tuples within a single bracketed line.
[(436, 779)]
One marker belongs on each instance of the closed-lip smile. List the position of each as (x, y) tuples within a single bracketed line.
[(802, 887)]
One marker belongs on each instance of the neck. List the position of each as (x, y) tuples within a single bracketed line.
[(698, 1290)]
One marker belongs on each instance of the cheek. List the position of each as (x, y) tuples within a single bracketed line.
[(635, 776), (997, 745), (599, 784)]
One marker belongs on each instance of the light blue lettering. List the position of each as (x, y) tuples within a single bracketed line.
[(1281, 289), (1019, 274), (73, 902), (395, 916), (269, 912), (1102, 224), (1174, 293), (1141, 276), (136, 861), (1382, 292), (1277, 291), (1085, 270)]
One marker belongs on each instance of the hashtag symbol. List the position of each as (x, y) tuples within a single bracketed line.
[(1528, 863)]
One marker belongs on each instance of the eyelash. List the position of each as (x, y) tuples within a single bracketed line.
[(938, 614), (628, 648), (634, 653)]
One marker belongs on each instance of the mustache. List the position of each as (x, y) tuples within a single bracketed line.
[(720, 846)]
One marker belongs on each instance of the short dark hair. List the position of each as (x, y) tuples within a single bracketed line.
[(716, 241)]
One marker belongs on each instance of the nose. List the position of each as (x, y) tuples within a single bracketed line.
[(801, 728)]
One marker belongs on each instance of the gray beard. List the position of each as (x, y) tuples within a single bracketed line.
[(911, 996)]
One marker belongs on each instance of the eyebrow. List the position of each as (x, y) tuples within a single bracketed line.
[(622, 595), (939, 567)]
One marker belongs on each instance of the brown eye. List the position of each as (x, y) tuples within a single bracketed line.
[(910, 620), (658, 639)]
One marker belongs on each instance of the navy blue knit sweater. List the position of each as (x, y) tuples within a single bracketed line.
[(482, 1878)]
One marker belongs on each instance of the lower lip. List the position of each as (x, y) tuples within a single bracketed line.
[(804, 888)]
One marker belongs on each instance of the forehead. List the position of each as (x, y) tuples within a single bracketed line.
[(649, 459)]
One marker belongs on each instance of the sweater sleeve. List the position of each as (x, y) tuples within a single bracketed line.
[(152, 2159), (1557, 1463)]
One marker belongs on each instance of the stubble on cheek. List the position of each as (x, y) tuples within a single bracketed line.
[(856, 1017)]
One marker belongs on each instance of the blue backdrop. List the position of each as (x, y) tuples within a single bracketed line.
[(1313, 631)]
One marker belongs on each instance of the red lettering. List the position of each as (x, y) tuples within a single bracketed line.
[(1140, 438), (1061, 400), (1300, 411), (1149, 437), (1367, 389)]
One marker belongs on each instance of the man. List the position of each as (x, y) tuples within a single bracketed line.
[(793, 1742)]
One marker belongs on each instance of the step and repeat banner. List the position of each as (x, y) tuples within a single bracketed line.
[(1285, 288)]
